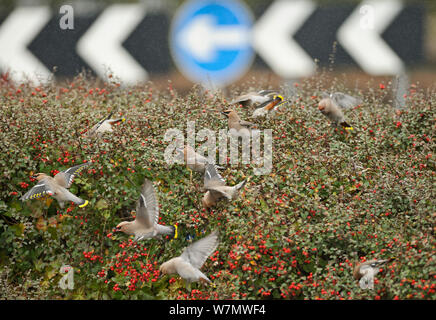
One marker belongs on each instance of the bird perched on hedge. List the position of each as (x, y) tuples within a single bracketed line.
[(104, 125), (145, 225), (253, 98), (365, 272), (188, 264), (193, 160), (216, 187), (57, 186), (331, 106), (268, 106), (236, 125)]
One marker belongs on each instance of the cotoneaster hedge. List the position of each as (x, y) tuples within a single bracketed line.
[(333, 198)]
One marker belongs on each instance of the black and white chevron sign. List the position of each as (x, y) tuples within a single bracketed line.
[(125, 39), (287, 36)]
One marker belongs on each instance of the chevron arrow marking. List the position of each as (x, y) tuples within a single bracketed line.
[(365, 45), (101, 46), (16, 33), (272, 38)]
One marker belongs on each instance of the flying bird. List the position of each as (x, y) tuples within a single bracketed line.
[(57, 187), (216, 187), (254, 98), (365, 272), (145, 225), (104, 125), (268, 106), (331, 106), (188, 264)]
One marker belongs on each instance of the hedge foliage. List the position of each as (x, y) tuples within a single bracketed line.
[(332, 199)]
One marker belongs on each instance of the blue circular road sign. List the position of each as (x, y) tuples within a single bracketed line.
[(210, 41)]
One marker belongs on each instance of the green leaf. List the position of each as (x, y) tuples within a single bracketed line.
[(101, 204)]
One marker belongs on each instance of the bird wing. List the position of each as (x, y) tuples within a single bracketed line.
[(38, 191), (198, 252), (93, 129), (65, 178), (97, 125), (244, 97), (267, 92), (225, 191), (212, 177), (218, 193), (345, 101), (246, 124), (147, 208)]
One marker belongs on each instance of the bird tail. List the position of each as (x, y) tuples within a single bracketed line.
[(168, 230), (346, 126), (204, 280), (84, 204), (176, 229), (80, 202), (106, 118), (118, 120)]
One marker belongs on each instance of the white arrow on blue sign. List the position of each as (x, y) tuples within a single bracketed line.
[(210, 41)]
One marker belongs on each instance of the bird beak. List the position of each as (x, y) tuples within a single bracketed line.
[(33, 176), (320, 108), (225, 114), (116, 229), (161, 274)]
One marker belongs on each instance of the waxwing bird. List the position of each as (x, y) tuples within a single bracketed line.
[(193, 160), (331, 106), (216, 187), (188, 265), (236, 125), (57, 186), (145, 225), (268, 106), (253, 98), (365, 272), (104, 125)]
